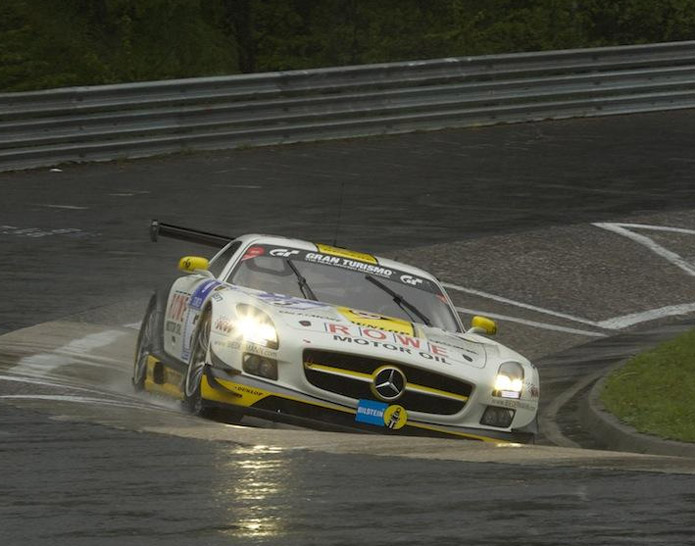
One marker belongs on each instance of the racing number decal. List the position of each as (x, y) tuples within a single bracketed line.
[(178, 306)]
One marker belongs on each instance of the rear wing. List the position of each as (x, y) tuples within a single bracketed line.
[(158, 229)]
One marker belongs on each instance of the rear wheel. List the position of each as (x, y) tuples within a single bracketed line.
[(200, 346), (144, 345)]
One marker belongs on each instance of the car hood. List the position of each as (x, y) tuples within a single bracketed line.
[(387, 335)]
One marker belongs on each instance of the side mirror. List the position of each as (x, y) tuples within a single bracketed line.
[(483, 325), (193, 264)]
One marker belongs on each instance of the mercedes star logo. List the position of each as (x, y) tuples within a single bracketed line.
[(388, 383)]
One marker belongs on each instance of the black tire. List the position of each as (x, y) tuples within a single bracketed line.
[(192, 399), (145, 345)]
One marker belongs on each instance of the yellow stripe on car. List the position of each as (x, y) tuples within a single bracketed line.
[(368, 378), (238, 395), (461, 434), (379, 322), (247, 396), (436, 392), (345, 253)]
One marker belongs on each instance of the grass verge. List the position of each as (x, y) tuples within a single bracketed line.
[(655, 391)]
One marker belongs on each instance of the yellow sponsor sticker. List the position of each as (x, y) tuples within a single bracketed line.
[(344, 253), (239, 395), (395, 417), (379, 322)]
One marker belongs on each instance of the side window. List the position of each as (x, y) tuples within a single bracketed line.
[(219, 262)]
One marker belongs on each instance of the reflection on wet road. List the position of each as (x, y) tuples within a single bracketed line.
[(82, 484), (256, 497)]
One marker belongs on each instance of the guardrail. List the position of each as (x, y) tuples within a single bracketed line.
[(76, 124)]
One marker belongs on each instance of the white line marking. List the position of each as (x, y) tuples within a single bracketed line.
[(150, 403), (645, 316), (67, 386), (535, 324), (133, 325), (43, 383), (36, 232), (239, 186), (68, 207), (668, 255), (520, 304), (651, 227), (45, 363), (615, 323), (70, 398)]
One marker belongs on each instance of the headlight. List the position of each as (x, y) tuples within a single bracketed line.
[(255, 326), (509, 380)]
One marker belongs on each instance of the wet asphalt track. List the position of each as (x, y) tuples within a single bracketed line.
[(86, 484), (400, 192)]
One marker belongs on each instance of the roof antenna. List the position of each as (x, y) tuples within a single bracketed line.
[(340, 211)]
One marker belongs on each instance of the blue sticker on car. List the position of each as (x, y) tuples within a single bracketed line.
[(201, 293), (371, 412)]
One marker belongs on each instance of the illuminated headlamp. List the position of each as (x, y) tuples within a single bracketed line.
[(509, 381), (255, 326)]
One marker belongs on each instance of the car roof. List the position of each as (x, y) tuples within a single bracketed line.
[(259, 238)]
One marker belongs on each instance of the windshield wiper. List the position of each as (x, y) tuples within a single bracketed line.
[(307, 292), (399, 300)]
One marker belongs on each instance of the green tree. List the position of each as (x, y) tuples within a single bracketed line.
[(52, 43)]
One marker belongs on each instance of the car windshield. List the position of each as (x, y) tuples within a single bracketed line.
[(338, 280)]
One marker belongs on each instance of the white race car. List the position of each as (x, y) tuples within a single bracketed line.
[(325, 337)]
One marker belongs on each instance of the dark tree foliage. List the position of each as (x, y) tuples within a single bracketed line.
[(52, 43), (239, 22)]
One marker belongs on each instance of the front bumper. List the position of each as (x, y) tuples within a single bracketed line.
[(270, 401)]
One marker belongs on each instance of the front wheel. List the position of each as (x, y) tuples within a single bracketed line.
[(144, 345), (192, 399)]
